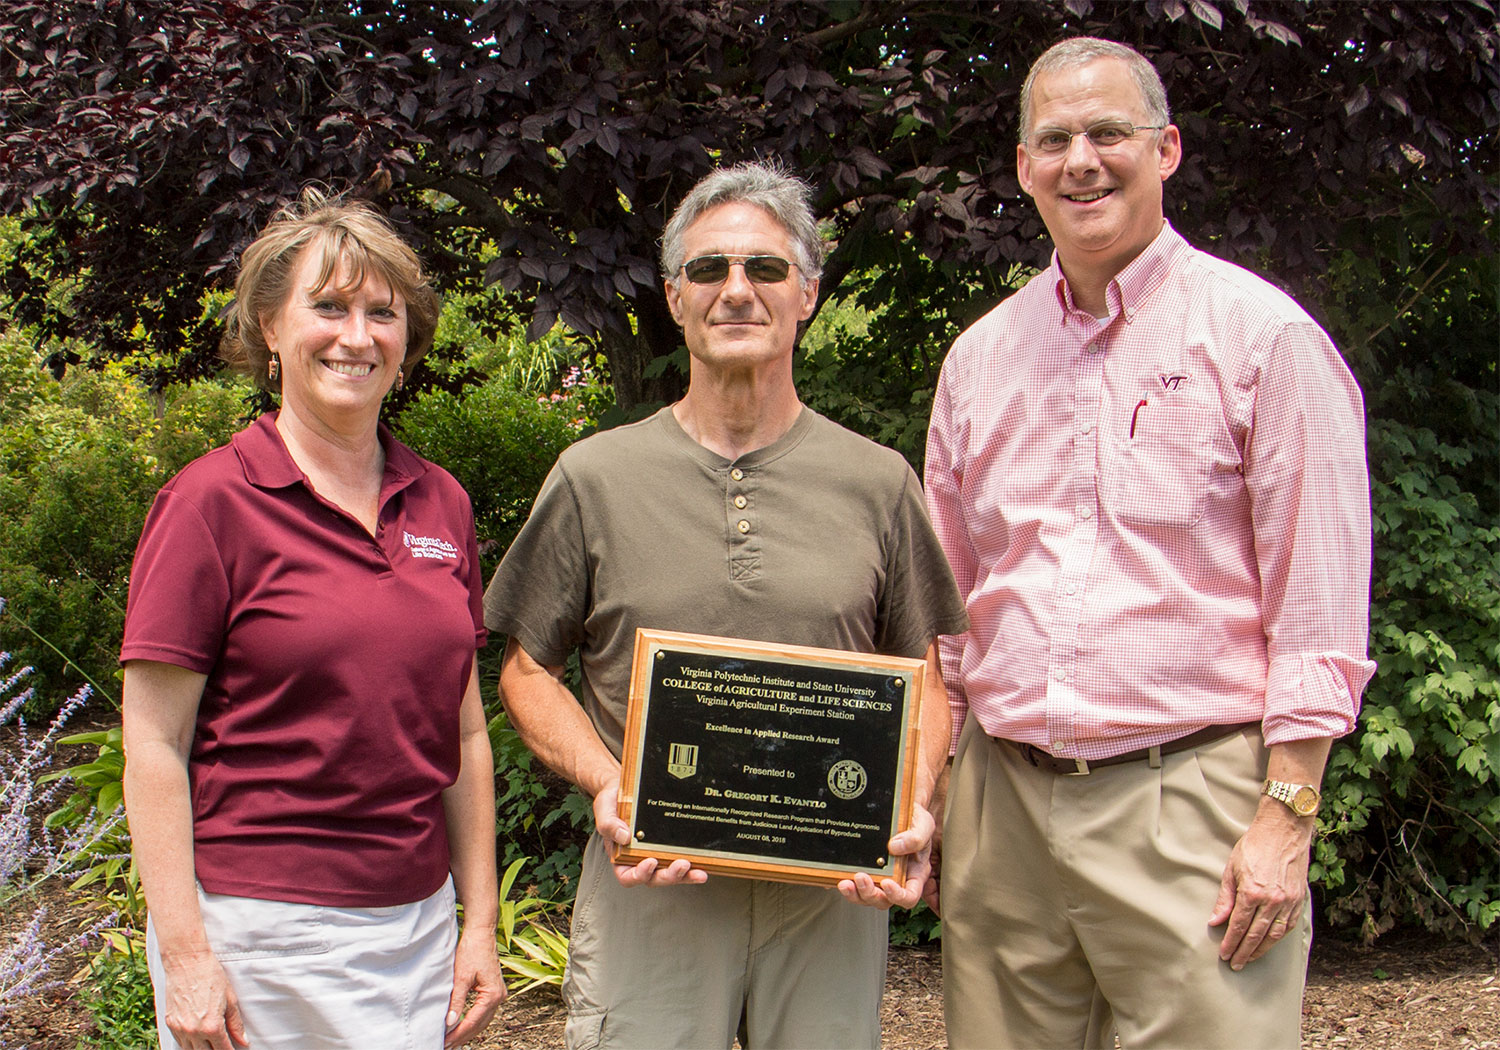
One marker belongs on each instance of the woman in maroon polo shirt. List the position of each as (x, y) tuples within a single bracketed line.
[(309, 782)]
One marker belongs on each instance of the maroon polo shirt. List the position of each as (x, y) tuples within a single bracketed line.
[(336, 663)]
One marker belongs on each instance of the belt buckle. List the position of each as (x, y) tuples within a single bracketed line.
[(1081, 771)]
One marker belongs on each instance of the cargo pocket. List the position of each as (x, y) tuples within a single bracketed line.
[(1161, 464), (584, 1030)]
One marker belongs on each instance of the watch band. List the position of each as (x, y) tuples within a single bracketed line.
[(1301, 799)]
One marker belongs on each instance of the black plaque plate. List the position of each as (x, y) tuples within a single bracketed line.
[(767, 761)]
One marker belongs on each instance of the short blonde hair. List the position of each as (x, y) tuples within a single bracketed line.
[(348, 232)]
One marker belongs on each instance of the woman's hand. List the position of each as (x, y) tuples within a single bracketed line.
[(476, 969), (160, 711), (201, 1009)]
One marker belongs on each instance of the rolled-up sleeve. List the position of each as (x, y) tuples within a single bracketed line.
[(1309, 485)]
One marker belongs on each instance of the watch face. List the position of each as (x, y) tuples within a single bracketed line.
[(1305, 802)]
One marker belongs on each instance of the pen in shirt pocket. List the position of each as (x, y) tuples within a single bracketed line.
[(1134, 415)]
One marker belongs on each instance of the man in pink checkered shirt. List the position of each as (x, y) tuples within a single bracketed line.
[(1147, 469)]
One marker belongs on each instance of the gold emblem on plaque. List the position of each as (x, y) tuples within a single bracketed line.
[(847, 779), (682, 760)]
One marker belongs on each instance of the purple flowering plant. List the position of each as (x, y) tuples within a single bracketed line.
[(31, 853)]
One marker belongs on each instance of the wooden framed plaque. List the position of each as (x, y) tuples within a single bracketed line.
[(767, 761)]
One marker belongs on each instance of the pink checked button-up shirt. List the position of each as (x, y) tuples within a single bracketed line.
[(1160, 520)]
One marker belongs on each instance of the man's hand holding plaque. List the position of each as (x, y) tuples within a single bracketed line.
[(915, 843), (646, 872)]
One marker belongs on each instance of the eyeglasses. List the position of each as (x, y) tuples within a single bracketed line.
[(1104, 136), (761, 269)]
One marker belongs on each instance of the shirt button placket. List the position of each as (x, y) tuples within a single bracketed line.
[(740, 514), (1062, 705)]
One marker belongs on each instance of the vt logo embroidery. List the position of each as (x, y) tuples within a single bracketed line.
[(1170, 382)]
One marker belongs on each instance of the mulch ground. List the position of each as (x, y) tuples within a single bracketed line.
[(1404, 993)]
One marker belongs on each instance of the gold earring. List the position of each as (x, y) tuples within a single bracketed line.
[(273, 369), (400, 379)]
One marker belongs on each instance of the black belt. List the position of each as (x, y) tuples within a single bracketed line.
[(1077, 766)]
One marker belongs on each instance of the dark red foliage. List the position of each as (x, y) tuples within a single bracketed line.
[(155, 137)]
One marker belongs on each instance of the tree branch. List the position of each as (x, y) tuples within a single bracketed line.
[(477, 200), (1416, 296)]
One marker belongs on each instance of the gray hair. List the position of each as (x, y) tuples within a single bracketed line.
[(1080, 50), (766, 185)]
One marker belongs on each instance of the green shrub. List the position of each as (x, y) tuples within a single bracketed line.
[(537, 814), (1413, 798), (80, 462), (74, 516), (499, 443), (108, 867), (527, 937), (914, 925), (117, 993)]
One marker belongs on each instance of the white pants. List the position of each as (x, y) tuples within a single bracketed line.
[(310, 977)]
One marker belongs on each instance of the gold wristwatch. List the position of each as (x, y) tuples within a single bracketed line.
[(1301, 799)]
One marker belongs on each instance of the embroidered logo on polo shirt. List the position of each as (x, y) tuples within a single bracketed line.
[(429, 547)]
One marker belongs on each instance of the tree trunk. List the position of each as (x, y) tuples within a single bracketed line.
[(629, 353)]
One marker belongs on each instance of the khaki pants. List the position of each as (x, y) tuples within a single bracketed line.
[(680, 966), (1076, 907)]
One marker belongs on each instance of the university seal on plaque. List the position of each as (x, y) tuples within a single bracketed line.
[(847, 779)]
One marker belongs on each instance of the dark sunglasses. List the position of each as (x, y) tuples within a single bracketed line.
[(761, 269)]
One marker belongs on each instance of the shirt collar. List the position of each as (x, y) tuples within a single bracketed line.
[(1134, 284), (755, 458), (268, 465)]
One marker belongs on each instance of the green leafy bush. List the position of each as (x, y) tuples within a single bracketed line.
[(528, 939), (537, 813), (915, 925), (1412, 819), (499, 443), (117, 993), (107, 865), (80, 462)]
